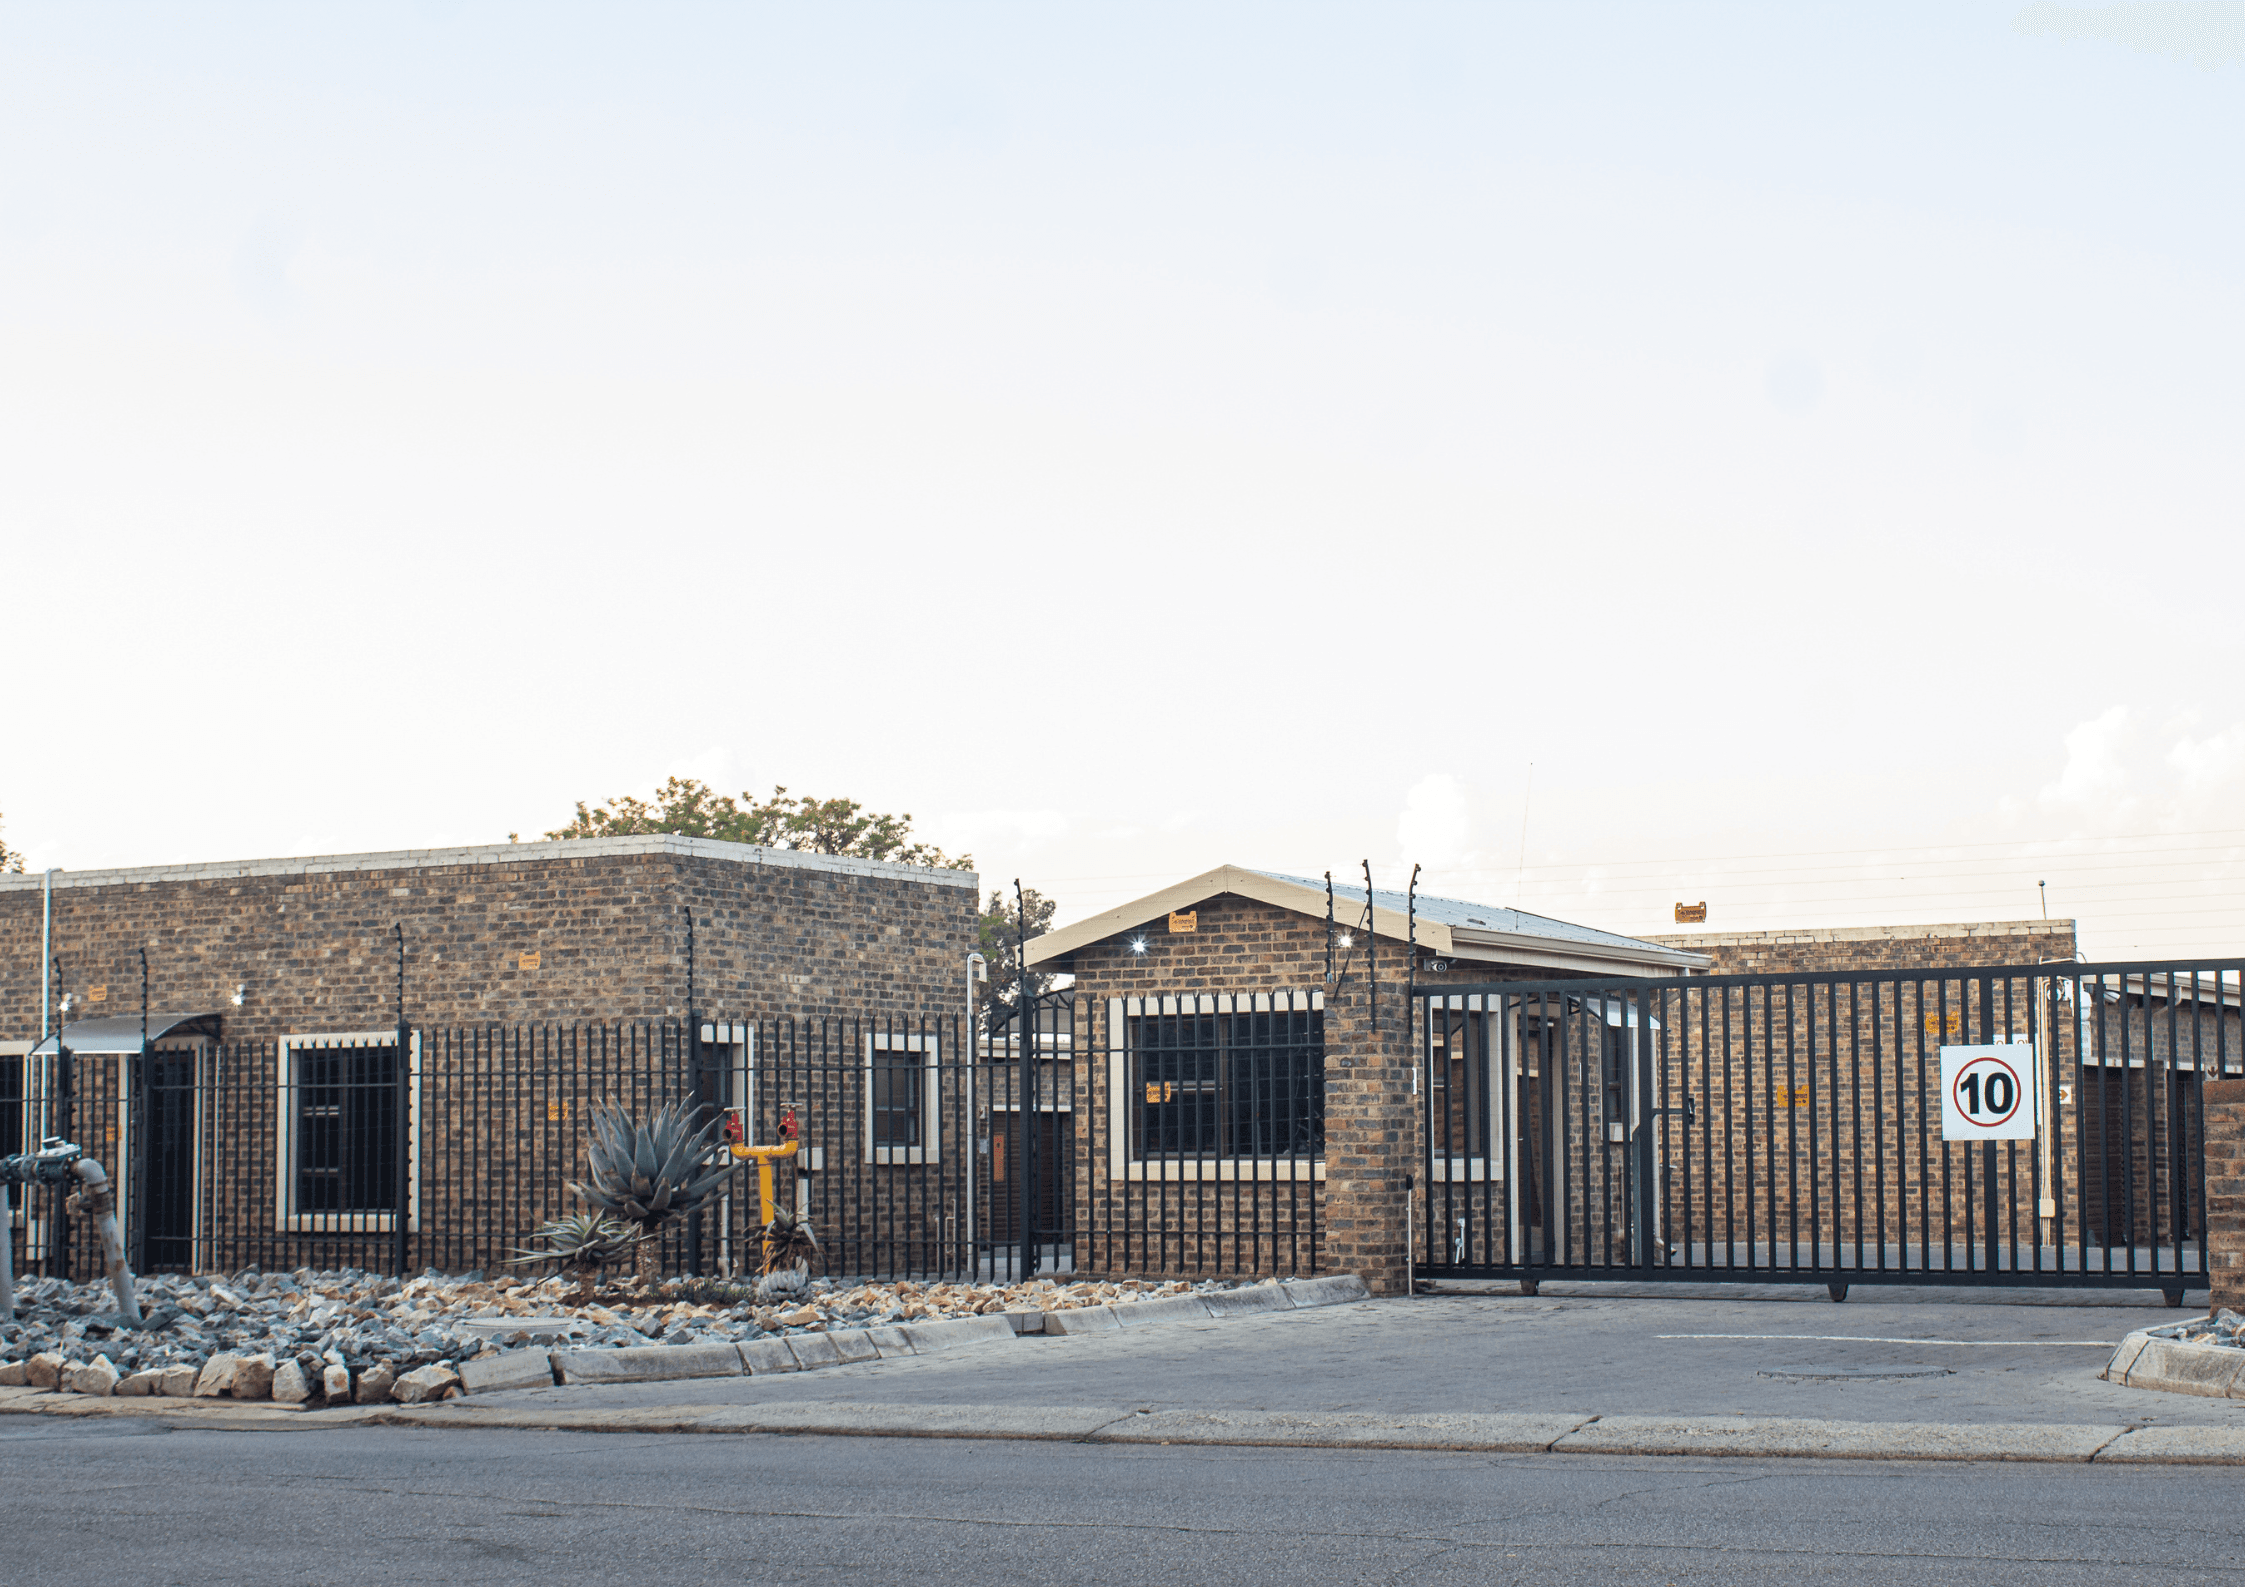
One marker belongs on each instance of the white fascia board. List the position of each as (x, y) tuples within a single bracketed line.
[(1647, 953), (1289, 896), (1545, 955)]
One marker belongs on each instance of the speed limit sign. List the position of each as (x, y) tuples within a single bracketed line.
[(1988, 1093)]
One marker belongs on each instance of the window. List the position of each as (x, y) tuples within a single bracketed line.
[(340, 1143), (1209, 1081), (902, 1079)]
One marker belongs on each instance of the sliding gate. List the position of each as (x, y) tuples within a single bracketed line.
[(1789, 1128)]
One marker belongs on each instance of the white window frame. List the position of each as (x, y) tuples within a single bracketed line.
[(930, 1149), (1120, 1164), (286, 1219), (1501, 1026)]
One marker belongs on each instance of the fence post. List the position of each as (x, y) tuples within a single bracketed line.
[(401, 1214), (2224, 1228)]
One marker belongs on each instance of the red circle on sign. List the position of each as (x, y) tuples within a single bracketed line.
[(1984, 1119)]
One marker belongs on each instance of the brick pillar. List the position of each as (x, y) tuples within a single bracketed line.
[(1371, 1121), (2225, 1193)]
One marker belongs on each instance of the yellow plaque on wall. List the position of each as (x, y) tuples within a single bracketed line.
[(529, 961), (1188, 920), (97, 994)]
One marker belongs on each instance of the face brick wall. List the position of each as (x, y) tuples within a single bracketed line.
[(605, 917), (1354, 1218)]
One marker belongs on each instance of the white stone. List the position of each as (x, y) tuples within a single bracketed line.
[(217, 1375), (336, 1381), (289, 1385), (425, 1384), (178, 1382), (44, 1370), (375, 1384), (97, 1377), (144, 1382), (253, 1378)]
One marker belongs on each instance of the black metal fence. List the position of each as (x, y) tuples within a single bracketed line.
[(1765, 1127), (926, 1149)]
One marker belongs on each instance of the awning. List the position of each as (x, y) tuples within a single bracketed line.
[(121, 1033)]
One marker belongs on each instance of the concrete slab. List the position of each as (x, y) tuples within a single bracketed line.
[(813, 1350), (1145, 1313), (1335, 1289), (852, 1344), (916, 1421), (1025, 1322), (2185, 1368), (2124, 1356), (1245, 1302), (760, 1356), (648, 1364), (1772, 1436), (1082, 1320), (510, 1369), (930, 1337), (2176, 1446), (1495, 1432), (889, 1341)]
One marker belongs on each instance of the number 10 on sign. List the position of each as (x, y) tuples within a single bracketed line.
[(1988, 1093)]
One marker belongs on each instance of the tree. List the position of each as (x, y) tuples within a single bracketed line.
[(688, 806), (10, 859), (1000, 929)]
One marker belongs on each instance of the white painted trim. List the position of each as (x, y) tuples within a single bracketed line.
[(930, 1149), (287, 1220)]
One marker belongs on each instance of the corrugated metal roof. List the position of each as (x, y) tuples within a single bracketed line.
[(1348, 901)]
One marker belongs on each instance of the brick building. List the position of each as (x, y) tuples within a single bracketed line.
[(1231, 1108), (279, 1117)]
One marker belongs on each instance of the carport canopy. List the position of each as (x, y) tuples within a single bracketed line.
[(120, 1033)]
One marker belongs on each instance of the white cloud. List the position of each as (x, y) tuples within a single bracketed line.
[(2096, 769), (2208, 763), (1435, 826)]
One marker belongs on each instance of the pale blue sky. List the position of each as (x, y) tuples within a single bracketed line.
[(1797, 430)]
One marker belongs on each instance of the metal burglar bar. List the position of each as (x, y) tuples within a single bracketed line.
[(1204, 1135), (1027, 1165), (1764, 1127)]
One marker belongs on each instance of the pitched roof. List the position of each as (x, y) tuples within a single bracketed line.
[(1446, 927)]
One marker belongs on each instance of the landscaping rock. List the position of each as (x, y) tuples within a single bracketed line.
[(178, 1382), (217, 1376), (335, 1382), (44, 1370), (137, 1384), (253, 1378), (375, 1384), (13, 1374), (289, 1384), (97, 1377), (424, 1385)]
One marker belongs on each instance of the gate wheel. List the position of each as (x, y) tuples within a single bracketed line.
[(2173, 1297), (1528, 1286), (1838, 1292)]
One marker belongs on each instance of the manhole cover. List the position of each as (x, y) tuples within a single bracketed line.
[(1816, 1374)]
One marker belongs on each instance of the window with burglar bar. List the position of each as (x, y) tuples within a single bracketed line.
[(1224, 1078), (903, 1088), (342, 1126)]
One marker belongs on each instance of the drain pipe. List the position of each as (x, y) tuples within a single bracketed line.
[(96, 1196)]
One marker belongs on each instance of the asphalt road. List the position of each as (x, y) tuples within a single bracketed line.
[(1978, 1357), (128, 1502)]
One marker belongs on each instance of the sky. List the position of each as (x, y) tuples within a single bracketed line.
[(1607, 456)]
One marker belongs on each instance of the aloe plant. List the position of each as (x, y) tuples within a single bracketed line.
[(581, 1245), (646, 1174)]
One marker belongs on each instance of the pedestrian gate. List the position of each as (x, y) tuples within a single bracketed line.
[(1788, 1128)]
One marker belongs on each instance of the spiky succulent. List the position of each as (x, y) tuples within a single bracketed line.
[(790, 1244), (581, 1245), (648, 1173)]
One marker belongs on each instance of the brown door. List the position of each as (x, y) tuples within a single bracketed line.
[(1009, 1175)]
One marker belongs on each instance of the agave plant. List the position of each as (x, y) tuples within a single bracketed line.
[(790, 1246), (581, 1245), (649, 1173)]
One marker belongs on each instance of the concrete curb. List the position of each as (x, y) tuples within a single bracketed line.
[(1739, 1437), (2151, 1359), (1499, 1433)]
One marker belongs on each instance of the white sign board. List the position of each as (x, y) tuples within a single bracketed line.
[(1988, 1093)]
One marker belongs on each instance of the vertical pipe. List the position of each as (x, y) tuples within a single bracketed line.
[(402, 1211)]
